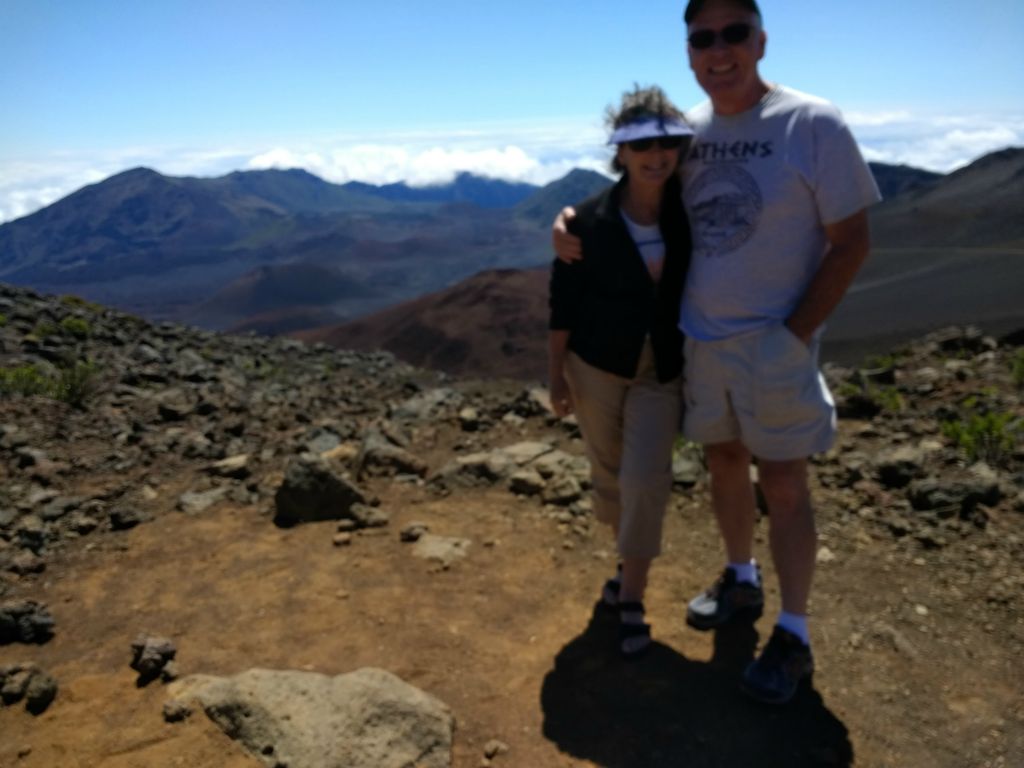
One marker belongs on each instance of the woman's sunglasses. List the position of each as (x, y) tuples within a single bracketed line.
[(663, 142), (733, 34)]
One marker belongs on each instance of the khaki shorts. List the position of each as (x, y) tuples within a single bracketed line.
[(762, 388)]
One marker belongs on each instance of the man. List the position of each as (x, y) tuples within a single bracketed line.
[(776, 192)]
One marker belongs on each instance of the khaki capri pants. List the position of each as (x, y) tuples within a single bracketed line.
[(629, 426)]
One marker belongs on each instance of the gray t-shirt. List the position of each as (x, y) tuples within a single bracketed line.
[(758, 189)]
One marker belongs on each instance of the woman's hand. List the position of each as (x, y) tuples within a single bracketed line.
[(561, 397), (567, 246)]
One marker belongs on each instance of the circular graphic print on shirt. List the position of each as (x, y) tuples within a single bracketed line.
[(725, 204)]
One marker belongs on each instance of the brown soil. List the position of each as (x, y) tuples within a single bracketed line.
[(454, 330), (915, 667)]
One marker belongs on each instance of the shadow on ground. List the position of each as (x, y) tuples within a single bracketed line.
[(665, 711)]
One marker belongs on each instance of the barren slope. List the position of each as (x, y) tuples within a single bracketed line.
[(917, 612)]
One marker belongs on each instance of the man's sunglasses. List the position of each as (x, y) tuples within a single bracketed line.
[(663, 142), (733, 34)]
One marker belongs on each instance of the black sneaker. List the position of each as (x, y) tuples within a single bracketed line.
[(727, 599), (775, 675)]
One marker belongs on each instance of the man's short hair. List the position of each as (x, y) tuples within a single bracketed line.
[(694, 7)]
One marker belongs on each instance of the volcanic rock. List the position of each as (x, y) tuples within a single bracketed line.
[(25, 621), (443, 550), (364, 719), (150, 655), (312, 491)]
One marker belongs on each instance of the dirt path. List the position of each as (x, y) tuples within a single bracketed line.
[(911, 671)]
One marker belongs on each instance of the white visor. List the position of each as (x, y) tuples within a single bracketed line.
[(649, 128)]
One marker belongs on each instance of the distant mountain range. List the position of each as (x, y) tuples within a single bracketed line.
[(950, 251), (947, 250), (173, 248), (979, 205), (285, 251), (466, 188)]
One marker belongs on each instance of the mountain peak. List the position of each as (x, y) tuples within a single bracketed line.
[(280, 173), (139, 172), (1000, 156), (466, 187)]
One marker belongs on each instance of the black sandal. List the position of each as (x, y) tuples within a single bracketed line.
[(634, 639), (610, 591)]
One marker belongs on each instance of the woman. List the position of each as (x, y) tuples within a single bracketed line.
[(615, 350)]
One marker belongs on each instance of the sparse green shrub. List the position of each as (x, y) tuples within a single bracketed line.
[(682, 445), (330, 366), (886, 398), (1017, 368), (889, 398), (76, 384), (882, 362), (75, 326), (78, 301), (3, 320), (264, 370), (45, 328), (25, 380), (849, 389), (989, 436)]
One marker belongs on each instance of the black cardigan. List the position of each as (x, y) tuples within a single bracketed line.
[(608, 301)]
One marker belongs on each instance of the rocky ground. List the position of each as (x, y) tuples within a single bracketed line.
[(243, 503)]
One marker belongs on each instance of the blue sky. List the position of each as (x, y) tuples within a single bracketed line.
[(402, 89)]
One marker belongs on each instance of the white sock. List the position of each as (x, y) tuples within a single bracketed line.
[(746, 572), (795, 623)]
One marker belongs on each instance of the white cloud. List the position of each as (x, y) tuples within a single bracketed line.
[(938, 143), (418, 166), (535, 154), (876, 118), (285, 158), (27, 185), (531, 151)]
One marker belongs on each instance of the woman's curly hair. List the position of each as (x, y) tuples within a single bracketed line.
[(637, 104)]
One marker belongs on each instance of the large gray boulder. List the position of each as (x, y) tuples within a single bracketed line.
[(443, 550), (26, 681), (501, 463), (25, 621), (379, 456), (897, 467), (312, 491), (429, 405), (364, 719), (150, 657)]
